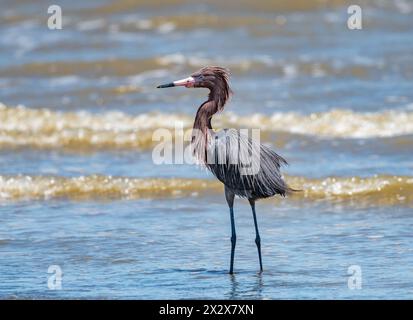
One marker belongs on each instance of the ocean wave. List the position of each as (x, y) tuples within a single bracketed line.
[(96, 187), (262, 64), (357, 66), (376, 190), (336, 123), (121, 6), (106, 67), (44, 128)]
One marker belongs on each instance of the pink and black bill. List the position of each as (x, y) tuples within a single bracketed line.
[(187, 82)]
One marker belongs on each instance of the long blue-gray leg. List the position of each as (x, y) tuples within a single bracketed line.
[(257, 234), (229, 195)]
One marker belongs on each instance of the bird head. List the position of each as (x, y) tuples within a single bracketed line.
[(209, 77), (216, 79)]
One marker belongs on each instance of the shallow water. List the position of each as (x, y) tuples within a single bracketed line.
[(180, 249), (79, 189)]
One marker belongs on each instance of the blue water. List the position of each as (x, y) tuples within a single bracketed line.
[(179, 248)]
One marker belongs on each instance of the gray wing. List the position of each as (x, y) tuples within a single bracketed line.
[(245, 166)]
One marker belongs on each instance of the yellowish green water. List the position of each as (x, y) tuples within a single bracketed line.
[(79, 188), (376, 190)]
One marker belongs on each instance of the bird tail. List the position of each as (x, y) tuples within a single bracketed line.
[(292, 190)]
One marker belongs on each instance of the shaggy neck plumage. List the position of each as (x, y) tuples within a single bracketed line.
[(216, 101), (219, 93)]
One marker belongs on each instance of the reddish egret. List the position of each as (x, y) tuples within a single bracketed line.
[(246, 168)]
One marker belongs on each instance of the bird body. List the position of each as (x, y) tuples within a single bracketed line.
[(246, 167)]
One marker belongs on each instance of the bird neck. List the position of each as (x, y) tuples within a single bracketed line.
[(201, 132), (204, 115), (202, 124), (219, 96), (216, 101)]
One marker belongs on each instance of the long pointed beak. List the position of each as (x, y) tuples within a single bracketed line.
[(187, 82)]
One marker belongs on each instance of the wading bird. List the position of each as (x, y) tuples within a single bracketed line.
[(247, 168)]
